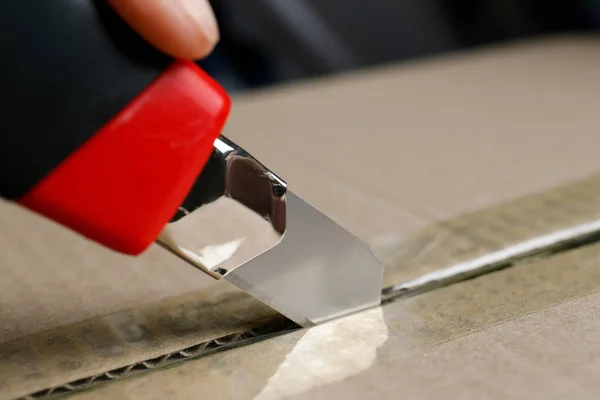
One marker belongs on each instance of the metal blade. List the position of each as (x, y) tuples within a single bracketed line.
[(270, 243), (319, 271)]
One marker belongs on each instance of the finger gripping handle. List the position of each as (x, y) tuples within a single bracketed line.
[(99, 131)]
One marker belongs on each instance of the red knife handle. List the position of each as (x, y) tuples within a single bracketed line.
[(99, 131)]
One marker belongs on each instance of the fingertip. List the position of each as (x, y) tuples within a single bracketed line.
[(185, 29), (187, 49), (199, 49)]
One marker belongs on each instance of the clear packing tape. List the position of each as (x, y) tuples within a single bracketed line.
[(103, 349)]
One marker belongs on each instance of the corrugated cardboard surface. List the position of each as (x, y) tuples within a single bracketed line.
[(384, 153), (525, 332), (160, 334)]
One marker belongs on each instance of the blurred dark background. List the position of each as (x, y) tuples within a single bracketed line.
[(266, 42)]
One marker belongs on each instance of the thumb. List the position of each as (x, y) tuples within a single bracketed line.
[(185, 29)]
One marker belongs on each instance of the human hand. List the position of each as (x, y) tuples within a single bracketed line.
[(185, 29)]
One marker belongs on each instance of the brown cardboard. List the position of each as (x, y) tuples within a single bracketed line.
[(384, 153), (130, 342), (526, 332)]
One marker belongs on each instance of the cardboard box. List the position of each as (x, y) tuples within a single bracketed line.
[(436, 163)]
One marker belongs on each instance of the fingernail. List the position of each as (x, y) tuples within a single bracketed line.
[(201, 12)]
